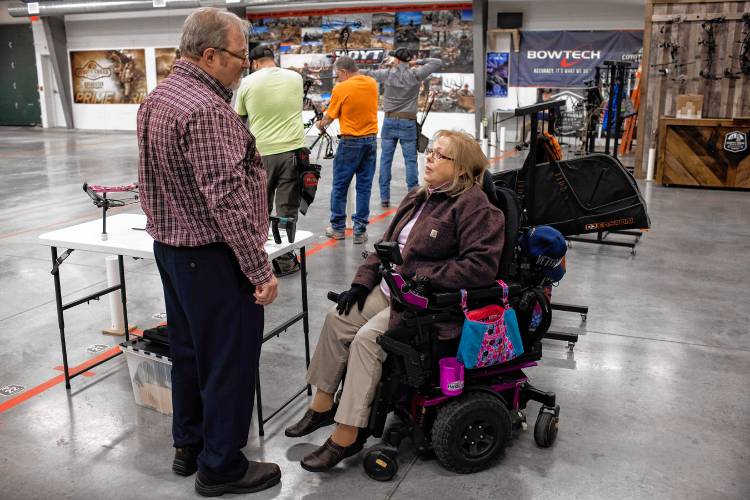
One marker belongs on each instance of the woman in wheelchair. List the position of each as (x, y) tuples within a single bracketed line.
[(447, 231)]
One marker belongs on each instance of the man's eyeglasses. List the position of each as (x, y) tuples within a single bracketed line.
[(436, 155), (243, 56)]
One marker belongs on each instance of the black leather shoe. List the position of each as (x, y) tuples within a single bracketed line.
[(185, 460), (311, 421), (327, 456), (259, 476)]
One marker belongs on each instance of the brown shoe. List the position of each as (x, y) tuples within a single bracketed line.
[(327, 456), (311, 421), (185, 461), (259, 476), (336, 234)]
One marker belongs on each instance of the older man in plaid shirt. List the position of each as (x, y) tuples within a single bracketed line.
[(203, 189)]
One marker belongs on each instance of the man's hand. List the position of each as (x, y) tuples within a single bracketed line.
[(267, 292), (323, 123)]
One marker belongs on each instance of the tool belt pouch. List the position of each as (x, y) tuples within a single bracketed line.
[(422, 140), (309, 174)]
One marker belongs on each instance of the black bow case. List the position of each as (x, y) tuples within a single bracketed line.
[(584, 195)]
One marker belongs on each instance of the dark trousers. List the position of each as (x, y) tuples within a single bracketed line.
[(215, 330), (283, 187)]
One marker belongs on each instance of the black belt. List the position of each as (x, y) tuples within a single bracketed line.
[(403, 115)]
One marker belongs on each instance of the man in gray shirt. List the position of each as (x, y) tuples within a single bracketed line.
[(401, 80)]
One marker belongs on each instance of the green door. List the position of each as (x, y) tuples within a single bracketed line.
[(19, 96)]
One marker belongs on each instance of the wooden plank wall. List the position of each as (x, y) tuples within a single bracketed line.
[(725, 98)]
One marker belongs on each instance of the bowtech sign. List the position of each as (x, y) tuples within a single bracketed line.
[(567, 59)]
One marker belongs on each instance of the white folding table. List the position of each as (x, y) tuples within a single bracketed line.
[(126, 237)]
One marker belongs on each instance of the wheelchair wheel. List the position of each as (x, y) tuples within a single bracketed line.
[(545, 429), (470, 434), (380, 464)]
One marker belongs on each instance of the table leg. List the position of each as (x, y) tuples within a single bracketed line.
[(60, 319), (259, 400), (305, 318), (123, 297)]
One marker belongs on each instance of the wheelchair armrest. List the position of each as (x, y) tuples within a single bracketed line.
[(454, 298)]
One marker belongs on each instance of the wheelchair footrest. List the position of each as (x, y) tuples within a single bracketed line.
[(531, 393)]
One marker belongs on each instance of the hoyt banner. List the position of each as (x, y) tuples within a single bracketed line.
[(564, 59)]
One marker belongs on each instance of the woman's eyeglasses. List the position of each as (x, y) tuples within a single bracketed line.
[(436, 155)]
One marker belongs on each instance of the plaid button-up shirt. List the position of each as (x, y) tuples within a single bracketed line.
[(200, 178)]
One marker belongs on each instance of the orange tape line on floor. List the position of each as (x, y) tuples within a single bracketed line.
[(110, 353)]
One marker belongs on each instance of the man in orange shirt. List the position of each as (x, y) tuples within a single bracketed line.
[(354, 102)]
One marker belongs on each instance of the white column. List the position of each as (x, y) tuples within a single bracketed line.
[(117, 322)]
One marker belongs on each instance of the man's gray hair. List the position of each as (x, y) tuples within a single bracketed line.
[(346, 63), (208, 27)]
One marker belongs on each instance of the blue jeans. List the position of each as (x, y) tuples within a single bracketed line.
[(353, 157), (394, 130)]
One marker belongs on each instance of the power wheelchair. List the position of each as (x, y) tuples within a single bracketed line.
[(466, 433)]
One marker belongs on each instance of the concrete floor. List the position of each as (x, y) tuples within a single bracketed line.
[(654, 398)]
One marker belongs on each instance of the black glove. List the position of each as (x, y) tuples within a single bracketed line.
[(356, 294)]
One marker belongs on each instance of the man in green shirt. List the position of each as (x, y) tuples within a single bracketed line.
[(270, 100)]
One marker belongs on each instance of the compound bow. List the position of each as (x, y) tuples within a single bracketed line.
[(709, 27), (324, 136), (670, 42), (744, 52)]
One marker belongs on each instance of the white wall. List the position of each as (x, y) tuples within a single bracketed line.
[(121, 31), (573, 15)]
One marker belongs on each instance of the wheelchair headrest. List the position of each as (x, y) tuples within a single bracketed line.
[(488, 186), (506, 200)]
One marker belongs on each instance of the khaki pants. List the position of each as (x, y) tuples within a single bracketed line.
[(349, 342)]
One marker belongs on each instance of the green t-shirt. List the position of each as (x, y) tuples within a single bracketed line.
[(271, 98)]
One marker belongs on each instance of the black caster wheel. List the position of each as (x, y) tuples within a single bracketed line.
[(571, 346), (380, 464), (545, 429), (584, 317)]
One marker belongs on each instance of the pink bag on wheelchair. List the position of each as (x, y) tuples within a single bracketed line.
[(490, 334)]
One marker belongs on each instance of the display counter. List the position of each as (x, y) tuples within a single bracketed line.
[(704, 152)]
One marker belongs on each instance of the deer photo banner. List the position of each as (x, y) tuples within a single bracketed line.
[(116, 76), (310, 44), (165, 58)]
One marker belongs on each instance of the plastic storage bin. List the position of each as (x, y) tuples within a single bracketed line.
[(150, 373)]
